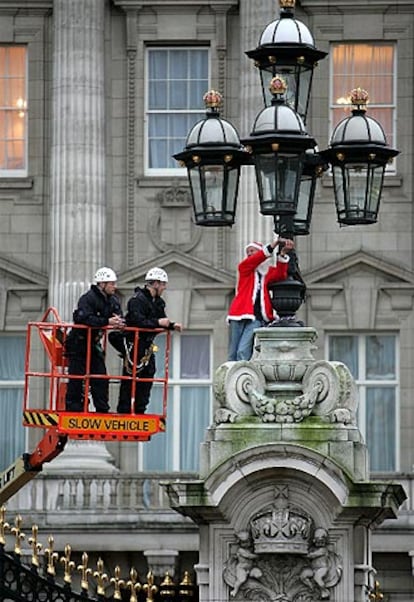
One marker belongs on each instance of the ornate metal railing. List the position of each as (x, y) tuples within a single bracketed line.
[(52, 577)]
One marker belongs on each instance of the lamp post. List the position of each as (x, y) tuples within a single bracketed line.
[(286, 158)]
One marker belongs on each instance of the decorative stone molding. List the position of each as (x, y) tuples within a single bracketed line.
[(282, 556), (266, 388), (171, 225)]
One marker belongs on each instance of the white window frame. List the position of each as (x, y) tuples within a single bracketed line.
[(176, 171), (174, 403), (20, 173), (362, 384), (390, 167)]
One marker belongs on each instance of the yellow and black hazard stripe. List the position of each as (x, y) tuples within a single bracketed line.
[(43, 419)]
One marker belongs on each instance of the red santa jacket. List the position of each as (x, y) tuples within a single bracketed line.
[(242, 306)]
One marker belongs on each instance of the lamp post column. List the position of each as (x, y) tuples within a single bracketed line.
[(251, 225), (77, 205)]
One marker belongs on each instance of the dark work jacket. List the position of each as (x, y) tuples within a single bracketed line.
[(144, 311), (95, 308)]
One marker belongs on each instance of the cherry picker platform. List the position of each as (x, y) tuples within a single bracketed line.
[(46, 379)]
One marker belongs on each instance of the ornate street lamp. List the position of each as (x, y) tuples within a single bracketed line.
[(277, 144), (287, 163), (358, 153), (213, 155), (287, 47)]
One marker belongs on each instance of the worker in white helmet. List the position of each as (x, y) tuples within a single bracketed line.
[(98, 307), (145, 309)]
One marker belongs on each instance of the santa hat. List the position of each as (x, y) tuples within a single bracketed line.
[(255, 245)]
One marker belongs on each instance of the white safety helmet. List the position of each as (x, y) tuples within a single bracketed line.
[(157, 274), (105, 275)]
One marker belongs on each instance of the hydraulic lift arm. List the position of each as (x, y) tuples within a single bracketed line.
[(27, 466)]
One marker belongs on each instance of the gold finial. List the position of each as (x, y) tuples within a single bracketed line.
[(375, 594), (36, 546), (117, 582), (167, 587), (100, 577), (52, 556), (4, 526), (150, 588), (133, 585), (212, 99), (68, 564), (287, 3), (277, 85), (186, 585), (359, 98), (84, 571), (16, 530)]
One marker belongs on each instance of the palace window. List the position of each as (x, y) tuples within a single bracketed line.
[(368, 65), (13, 111), (177, 78), (373, 362), (12, 436), (189, 405)]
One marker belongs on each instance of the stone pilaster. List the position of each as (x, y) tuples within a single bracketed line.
[(77, 205), (254, 17)]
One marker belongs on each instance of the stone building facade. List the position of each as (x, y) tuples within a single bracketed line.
[(86, 180)]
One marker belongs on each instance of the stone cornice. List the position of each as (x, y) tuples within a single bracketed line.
[(139, 4)]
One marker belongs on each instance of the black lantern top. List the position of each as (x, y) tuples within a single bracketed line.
[(279, 128), (287, 47), (213, 155), (277, 144)]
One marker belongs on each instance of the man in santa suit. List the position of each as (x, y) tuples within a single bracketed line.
[(251, 307)]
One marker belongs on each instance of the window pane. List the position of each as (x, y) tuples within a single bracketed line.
[(345, 349), (12, 353), (157, 453), (195, 417), (380, 357), (177, 80), (12, 436), (157, 95), (195, 356), (157, 64), (11, 429), (371, 66), (160, 341), (13, 108), (179, 64), (380, 419)]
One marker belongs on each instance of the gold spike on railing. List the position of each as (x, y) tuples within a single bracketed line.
[(118, 583), (133, 585), (35, 545), (84, 571), (375, 594), (68, 565), (150, 588), (19, 536), (52, 556), (4, 526), (100, 577)]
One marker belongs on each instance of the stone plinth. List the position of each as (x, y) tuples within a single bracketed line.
[(284, 501)]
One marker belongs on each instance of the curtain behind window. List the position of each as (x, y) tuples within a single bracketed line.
[(12, 437)]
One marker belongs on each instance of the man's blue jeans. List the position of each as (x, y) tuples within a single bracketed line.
[(242, 339)]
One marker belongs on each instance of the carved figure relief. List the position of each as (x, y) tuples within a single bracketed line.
[(282, 557)]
